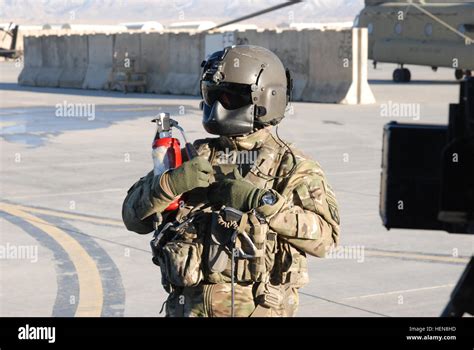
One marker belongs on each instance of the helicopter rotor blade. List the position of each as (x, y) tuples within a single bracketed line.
[(255, 14)]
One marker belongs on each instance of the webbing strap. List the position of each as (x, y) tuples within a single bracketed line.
[(260, 311)]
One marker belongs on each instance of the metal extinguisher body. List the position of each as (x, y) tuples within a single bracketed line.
[(166, 151)]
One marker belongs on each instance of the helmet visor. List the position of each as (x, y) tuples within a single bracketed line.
[(230, 95)]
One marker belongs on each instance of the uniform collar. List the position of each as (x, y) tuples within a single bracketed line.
[(254, 140)]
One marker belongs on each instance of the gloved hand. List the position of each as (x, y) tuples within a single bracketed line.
[(189, 175), (238, 194)]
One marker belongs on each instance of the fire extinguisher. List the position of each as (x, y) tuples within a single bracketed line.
[(166, 149)]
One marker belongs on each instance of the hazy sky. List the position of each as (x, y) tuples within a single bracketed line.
[(167, 11)]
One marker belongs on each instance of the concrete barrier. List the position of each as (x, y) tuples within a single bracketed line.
[(360, 89), (172, 62), (185, 53), (127, 50), (330, 67), (75, 57), (326, 65), (33, 61), (99, 66), (53, 48), (155, 59), (338, 67)]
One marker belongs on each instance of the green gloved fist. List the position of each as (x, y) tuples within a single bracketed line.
[(190, 175), (238, 194)]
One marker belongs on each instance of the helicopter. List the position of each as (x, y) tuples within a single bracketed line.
[(430, 33), (12, 52)]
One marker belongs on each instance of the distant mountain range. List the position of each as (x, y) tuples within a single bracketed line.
[(168, 11)]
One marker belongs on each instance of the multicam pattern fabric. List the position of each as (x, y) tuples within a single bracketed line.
[(213, 300), (305, 220)]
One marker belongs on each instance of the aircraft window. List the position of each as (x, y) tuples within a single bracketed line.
[(428, 29), (370, 28), (398, 28)]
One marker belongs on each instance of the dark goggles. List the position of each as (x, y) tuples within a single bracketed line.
[(230, 95)]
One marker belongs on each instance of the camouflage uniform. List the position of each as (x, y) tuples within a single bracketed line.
[(304, 220)]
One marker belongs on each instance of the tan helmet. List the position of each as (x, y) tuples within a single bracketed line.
[(244, 87)]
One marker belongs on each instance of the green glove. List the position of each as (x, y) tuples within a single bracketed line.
[(191, 174), (238, 194)]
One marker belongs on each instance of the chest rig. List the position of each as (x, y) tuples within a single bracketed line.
[(195, 243)]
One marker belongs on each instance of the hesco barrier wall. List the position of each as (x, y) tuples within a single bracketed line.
[(327, 66)]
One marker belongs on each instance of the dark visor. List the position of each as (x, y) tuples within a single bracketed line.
[(230, 95)]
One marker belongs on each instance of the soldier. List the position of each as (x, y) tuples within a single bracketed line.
[(252, 206)]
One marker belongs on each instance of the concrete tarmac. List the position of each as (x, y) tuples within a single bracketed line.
[(68, 157)]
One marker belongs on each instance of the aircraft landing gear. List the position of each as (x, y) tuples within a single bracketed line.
[(401, 75), (459, 74)]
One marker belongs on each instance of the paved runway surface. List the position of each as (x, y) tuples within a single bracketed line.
[(63, 180)]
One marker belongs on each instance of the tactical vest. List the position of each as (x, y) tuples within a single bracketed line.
[(195, 240)]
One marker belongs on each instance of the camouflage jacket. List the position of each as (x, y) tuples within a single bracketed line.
[(306, 219)]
